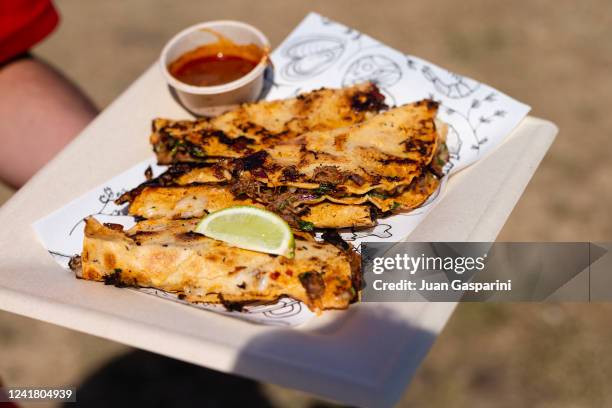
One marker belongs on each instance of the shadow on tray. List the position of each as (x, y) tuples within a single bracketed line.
[(140, 378)]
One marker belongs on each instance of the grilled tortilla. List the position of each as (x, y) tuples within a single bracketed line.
[(256, 126), (186, 174), (161, 198), (386, 151), (327, 159), (197, 201), (167, 255), (404, 199), (323, 211)]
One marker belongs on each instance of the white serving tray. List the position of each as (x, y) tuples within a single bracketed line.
[(364, 356)]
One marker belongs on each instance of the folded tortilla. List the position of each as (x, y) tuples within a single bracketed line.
[(382, 153), (199, 200), (259, 125), (405, 198), (168, 255)]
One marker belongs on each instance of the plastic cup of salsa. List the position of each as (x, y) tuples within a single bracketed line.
[(213, 66)]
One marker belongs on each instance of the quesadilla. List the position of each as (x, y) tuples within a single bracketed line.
[(167, 255), (255, 126), (382, 153), (193, 190), (404, 198), (322, 211), (197, 201)]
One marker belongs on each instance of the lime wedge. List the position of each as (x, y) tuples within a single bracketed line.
[(249, 228)]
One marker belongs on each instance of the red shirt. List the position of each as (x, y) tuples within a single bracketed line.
[(23, 23)]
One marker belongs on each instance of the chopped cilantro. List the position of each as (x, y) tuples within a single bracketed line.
[(377, 195), (324, 188), (175, 149), (196, 151), (306, 225)]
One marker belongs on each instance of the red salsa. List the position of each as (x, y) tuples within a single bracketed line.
[(216, 63), (213, 70)]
